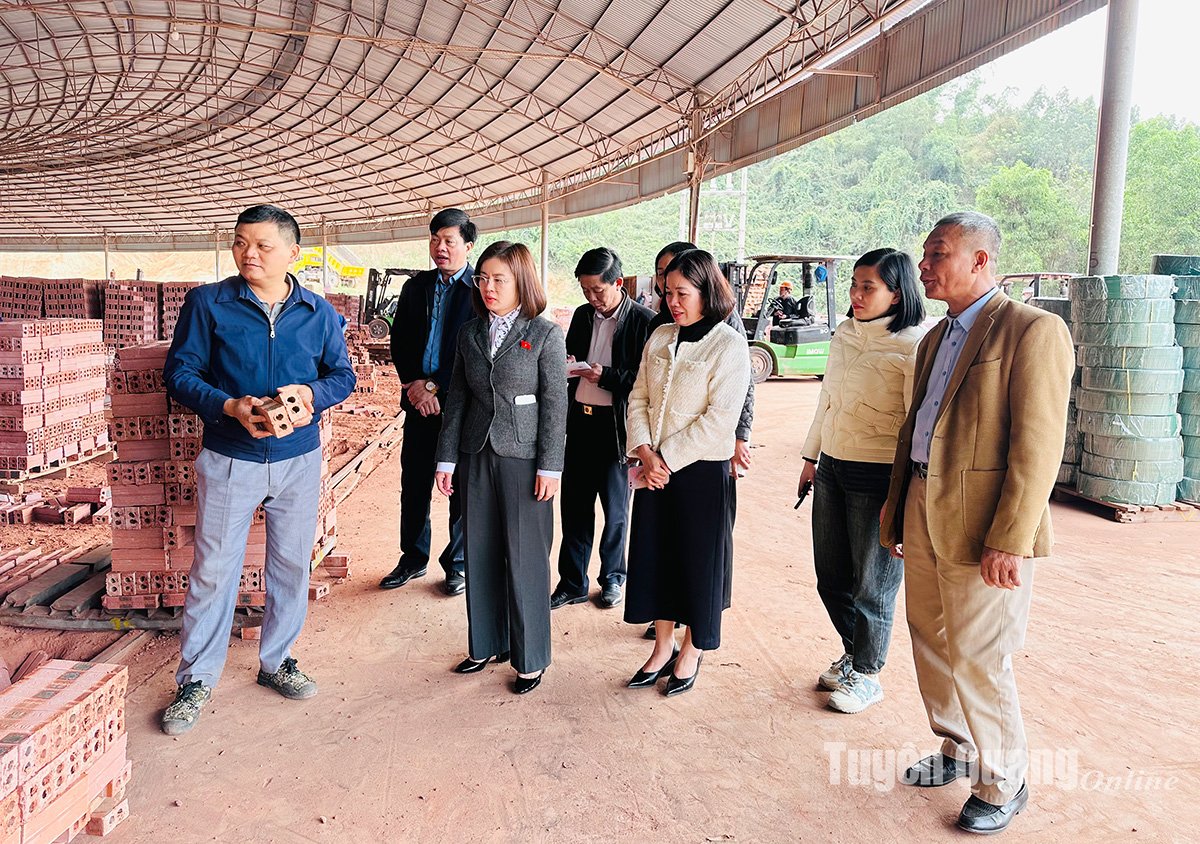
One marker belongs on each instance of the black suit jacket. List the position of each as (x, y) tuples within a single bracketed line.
[(629, 338), (410, 328)]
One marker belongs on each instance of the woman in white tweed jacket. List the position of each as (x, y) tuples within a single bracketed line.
[(682, 421)]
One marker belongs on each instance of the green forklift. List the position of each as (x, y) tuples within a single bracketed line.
[(783, 343)]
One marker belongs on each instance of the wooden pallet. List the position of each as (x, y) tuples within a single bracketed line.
[(13, 480), (1180, 511), (365, 462)]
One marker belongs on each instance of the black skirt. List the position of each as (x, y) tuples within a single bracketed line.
[(681, 552)]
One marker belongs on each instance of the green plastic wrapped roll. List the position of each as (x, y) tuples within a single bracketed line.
[(1189, 489), (1128, 334), (1175, 264), (1121, 287), (1054, 305), (1143, 471), (1191, 467), (1187, 336), (1132, 448), (1067, 473), (1071, 452), (1124, 310), (1127, 357), (1138, 404), (1189, 425), (1133, 381), (1187, 312), (1189, 403), (1187, 287), (1191, 380), (1125, 492), (1127, 425), (1191, 447)]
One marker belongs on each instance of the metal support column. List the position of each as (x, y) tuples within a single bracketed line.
[(1112, 138), (325, 285), (697, 161), (545, 232), (216, 255), (106, 266)]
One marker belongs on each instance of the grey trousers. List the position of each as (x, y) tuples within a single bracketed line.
[(507, 539), (227, 493)]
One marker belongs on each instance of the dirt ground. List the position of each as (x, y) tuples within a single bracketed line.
[(396, 748)]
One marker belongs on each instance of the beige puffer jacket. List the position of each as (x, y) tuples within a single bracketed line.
[(866, 393)]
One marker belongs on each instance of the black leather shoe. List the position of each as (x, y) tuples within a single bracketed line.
[(524, 685), (470, 666), (933, 771), (650, 635), (645, 679), (402, 573), (610, 596), (562, 599), (455, 583), (676, 686), (983, 818)]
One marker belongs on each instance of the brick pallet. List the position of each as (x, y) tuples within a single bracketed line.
[(74, 298), (153, 485), (20, 298), (171, 300), (51, 394), (63, 768), (348, 305), (131, 313)]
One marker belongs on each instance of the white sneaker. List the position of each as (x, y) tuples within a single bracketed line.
[(857, 693), (833, 676)]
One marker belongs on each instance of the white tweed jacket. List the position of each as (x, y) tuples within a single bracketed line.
[(686, 406)]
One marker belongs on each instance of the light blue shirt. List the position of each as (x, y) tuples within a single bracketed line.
[(432, 359), (944, 362)]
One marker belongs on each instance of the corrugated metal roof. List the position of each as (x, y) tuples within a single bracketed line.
[(152, 123)]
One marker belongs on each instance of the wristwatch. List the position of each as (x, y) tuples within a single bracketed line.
[(432, 387)]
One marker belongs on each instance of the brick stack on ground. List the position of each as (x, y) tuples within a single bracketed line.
[(171, 295), (1068, 471), (73, 298), (63, 765), (51, 393), (153, 484), (1186, 271), (348, 305), (131, 313), (1131, 379), (21, 298)]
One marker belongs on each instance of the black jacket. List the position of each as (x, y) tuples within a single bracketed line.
[(746, 420), (629, 338), (410, 328)]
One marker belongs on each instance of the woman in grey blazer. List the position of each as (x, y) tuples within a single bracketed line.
[(505, 427)]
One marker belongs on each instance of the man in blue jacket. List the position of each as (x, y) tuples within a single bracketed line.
[(237, 342), (433, 306)]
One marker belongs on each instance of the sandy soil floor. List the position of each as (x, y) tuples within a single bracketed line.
[(398, 749)]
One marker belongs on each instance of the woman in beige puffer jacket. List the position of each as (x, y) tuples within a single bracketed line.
[(848, 453)]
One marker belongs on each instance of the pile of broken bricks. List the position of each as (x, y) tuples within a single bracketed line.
[(79, 505), (63, 766)]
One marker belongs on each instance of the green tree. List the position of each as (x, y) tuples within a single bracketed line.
[(1042, 230), (1162, 193)]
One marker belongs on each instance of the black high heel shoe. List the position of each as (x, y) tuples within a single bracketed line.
[(676, 686), (524, 685), (470, 666), (645, 679)]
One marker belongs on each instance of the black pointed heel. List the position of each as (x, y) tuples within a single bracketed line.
[(676, 686), (524, 685), (470, 666), (645, 679)]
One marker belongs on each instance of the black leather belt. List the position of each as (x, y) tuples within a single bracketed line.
[(921, 470), (594, 409)]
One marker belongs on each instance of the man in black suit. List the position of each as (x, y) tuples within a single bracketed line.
[(608, 332), (433, 306)]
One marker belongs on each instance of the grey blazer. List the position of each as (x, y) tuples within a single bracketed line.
[(517, 401)]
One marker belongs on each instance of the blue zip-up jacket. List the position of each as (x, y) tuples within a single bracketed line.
[(225, 347)]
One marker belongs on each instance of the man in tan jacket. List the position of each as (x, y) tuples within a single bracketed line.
[(968, 510)]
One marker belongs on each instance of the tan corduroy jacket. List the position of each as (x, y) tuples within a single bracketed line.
[(866, 392), (995, 451), (686, 406)]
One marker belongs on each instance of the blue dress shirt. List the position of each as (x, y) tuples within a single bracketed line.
[(944, 362), (433, 346)]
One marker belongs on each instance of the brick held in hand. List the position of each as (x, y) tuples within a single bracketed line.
[(293, 402), (276, 420)]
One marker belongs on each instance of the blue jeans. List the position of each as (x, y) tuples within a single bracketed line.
[(857, 578)]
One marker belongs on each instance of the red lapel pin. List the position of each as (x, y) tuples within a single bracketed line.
[(525, 344)]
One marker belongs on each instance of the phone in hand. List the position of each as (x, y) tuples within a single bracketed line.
[(804, 491)]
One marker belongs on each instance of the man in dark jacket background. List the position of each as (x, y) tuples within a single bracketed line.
[(433, 306), (237, 342), (608, 332)]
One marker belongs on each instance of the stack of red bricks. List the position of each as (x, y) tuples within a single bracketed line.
[(348, 305), (368, 381), (63, 769), (20, 298), (326, 537), (51, 392), (153, 485), (173, 293), (73, 298), (131, 313)]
